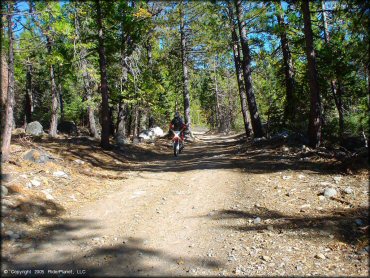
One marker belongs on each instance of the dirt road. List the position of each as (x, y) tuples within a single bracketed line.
[(210, 211)]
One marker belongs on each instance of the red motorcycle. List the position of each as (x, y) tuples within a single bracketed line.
[(178, 140)]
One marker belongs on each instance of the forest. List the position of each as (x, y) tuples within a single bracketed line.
[(257, 67), (270, 179)]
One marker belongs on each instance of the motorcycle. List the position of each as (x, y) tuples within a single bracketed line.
[(177, 142)]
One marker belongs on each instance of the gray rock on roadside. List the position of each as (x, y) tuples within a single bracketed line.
[(257, 220), (320, 256), (330, 192), (34, 128), (266, 258), (35, 183), (348, 190), (38, 156), (4, 191), (60, 174), (359, 222), (9, 233), (337, 179)]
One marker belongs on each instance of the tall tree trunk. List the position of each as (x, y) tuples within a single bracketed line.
[(184, 61), (239, 75), (149, 49), (289, 109), (104, 141), (87, 81), (130, 112), (121, 119), (334, 86), (8, 125), (136, 122), (4, 80), (315, 120), (28, 109), (218, 112), (111, 122), (90, 112), (54, 92), (247, 73), (60, 95)]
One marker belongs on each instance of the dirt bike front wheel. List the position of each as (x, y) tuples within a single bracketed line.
[(176, 148)]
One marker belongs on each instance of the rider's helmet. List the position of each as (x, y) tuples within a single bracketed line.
[(177, 114)]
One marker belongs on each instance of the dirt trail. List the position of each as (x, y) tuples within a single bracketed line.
[(195, 215)]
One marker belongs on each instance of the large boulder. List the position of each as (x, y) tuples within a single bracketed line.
[(158, 132), (34, 128), (37, 156), (151, 133), (146, 135), (67, 127)]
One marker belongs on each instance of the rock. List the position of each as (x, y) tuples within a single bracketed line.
[(266, 258), (35, 183), (37, 156), (78, 161), (231, 258), (73, 197), (15, 236), (320, 256), (4, 191), (26, 246), (157, 131), (147, 135), (257, 220), (34, 128), (330, 192), (4, 209), (348, 190), (270, 228), (359, 222), (5, 178), (135, 141), (47, 194), (337, 179), (68, 127), (286, 149), (60, 174), (287, 177), (9, 233), (301, 176), (321, 198), (239, 270), (6, 202)]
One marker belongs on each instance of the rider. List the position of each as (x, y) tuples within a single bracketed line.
[(177, 124)]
